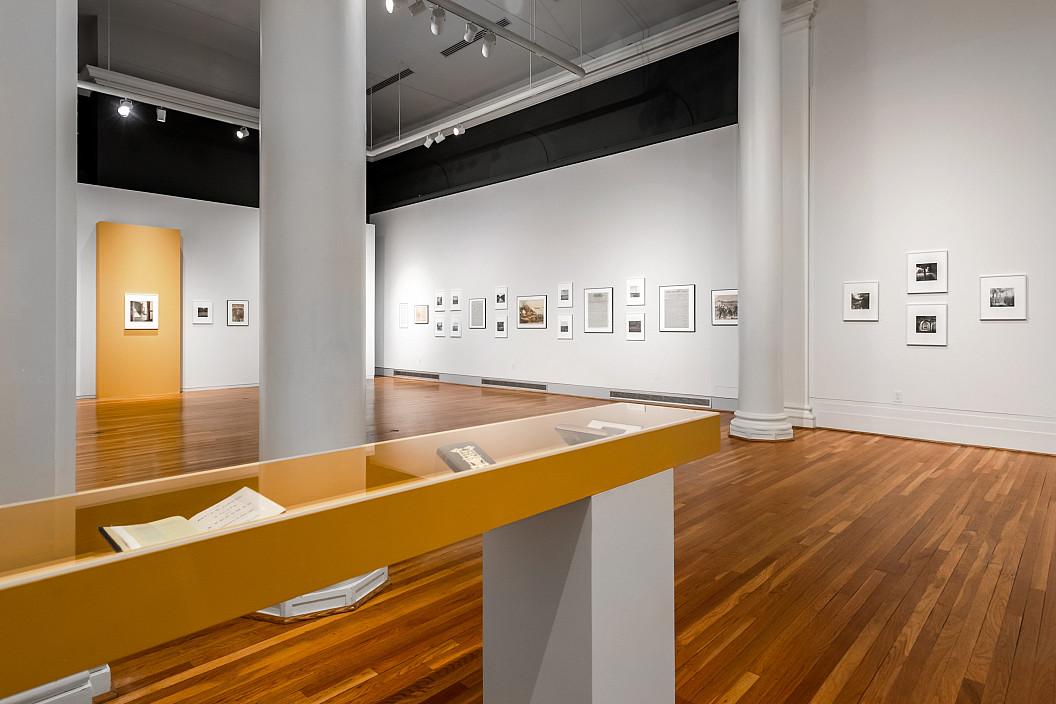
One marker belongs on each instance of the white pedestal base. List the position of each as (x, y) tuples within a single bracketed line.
[(758, 426), (342, 595), (579, 601)]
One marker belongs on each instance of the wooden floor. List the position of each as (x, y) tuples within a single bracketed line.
[(834, 568)]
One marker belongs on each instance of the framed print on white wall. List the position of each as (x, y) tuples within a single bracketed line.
[(678, 308), (405, 315), (438, 300), (564, 295), (636, 292), (439, 325), (724, 310), (531, 312), (597, 309), (454, 300), (478, 316), (1003, 297), (564, 326), (202, 312), (926, 272), (421, 315), (238, 312), (456, 326), (861, 300), (635, 326), (141, 311), (500, 298), (926, 324), (500, 326)]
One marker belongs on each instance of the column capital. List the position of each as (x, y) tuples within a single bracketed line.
[(797, 14)]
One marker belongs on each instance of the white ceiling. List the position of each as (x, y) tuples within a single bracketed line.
[(212, 48)]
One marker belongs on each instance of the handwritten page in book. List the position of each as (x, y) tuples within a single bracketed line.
[(241, 507)]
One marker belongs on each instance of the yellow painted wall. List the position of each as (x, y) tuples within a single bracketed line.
[(137, 259)]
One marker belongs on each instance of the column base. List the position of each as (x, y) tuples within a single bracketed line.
[(761, 426)]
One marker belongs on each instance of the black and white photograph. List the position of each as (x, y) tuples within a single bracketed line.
[(500, 298), (455, 328), (478, 316), (238, 312), (564, 326), (405, 315), (678, 308), (439, 326), (724, 306), (500, 326), (926, 324), (597, 309), (926, 272), (564, 295), (861, 301), (454, 300), (202, 312), (1003, 297), (531, 312), (141, 311), (636, 292), (636, 326), (439, 300), (421, 315)]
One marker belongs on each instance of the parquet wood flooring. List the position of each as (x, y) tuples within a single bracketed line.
[(838, 567)]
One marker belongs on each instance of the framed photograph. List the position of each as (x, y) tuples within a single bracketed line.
[(438, 300), (405, 315), (678, 308), (454, 300), (531, 311), (926, 324), (636, 292), (724, 306), (861, 300), (501, 329), (421, 315), (439, 326), (564, 295), (456, 325), (1003, 297), (597, 309), (635, 326), (202, 312), (238, 312), (926, 272), (500, 298), (564, 326), (478, 316), (141, 311)]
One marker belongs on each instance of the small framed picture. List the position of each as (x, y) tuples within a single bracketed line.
[(454, 299), (636, 292), (678, 308), (421, 315), (500, 298), (564, 326), (439, 298), (405, 315), (926, 272), (635, 326), (500, 326), (202, 312), (439, 326), (1003, 297), (456, 325), (478, 315), (564, 295), (926, 324), (141, 311), (861, 300), (531, 312), (724, 306), (597, 309), (238, 312)]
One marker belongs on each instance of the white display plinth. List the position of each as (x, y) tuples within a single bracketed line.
[(579, 601)]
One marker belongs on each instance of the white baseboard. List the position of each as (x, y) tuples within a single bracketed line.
[(801, 416), (1012, 432), (219, 388)]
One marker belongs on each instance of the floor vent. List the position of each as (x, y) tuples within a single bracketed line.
[(662, 398), (416, 375), (463, 43), (389, 81), (513, 384)]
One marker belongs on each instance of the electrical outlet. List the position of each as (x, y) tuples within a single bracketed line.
[(898, 397)]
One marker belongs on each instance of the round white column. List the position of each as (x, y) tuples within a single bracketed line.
[(760, 414), (312, 225)]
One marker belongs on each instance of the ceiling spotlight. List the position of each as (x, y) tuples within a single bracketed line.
[(440, 137), (417, 7), (458, 129), (488, 45), (393, 5), (428, 141), (436, 25), (124, 108), (161, 114), (471, 32), (242, 132)]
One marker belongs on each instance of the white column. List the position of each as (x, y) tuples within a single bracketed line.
[(38, 247), (312, 223), (760, 414)]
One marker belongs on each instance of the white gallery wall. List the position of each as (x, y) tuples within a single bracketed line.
[(933, 128), (667, 212), (221, 261)]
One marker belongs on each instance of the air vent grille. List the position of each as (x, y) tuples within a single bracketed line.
[(513, 384), (389, 81), (662, 398), (416, 375), (463, 44)]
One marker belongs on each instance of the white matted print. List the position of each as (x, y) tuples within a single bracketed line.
[(439, 299), (202, 312), (501, 297), (564, 326), (926, 272), (478, 315), (421, 315), (454, 300), (636, 292), (564, 295), (531, 311), (456, 326), (238, 312), (861, 300), (926, 324), (597, 309), (635, 326), (141, 311), (501, 326), (1003, 297), (678, 308), (405, 315), (440, 326)]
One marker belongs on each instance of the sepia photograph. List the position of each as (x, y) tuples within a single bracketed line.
[(202, 312), (141, 311), (1003, 297), (531, 312), (238, 312), (926, 272), (861, 301), (421, 315), (926, 325), (500, 298)]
